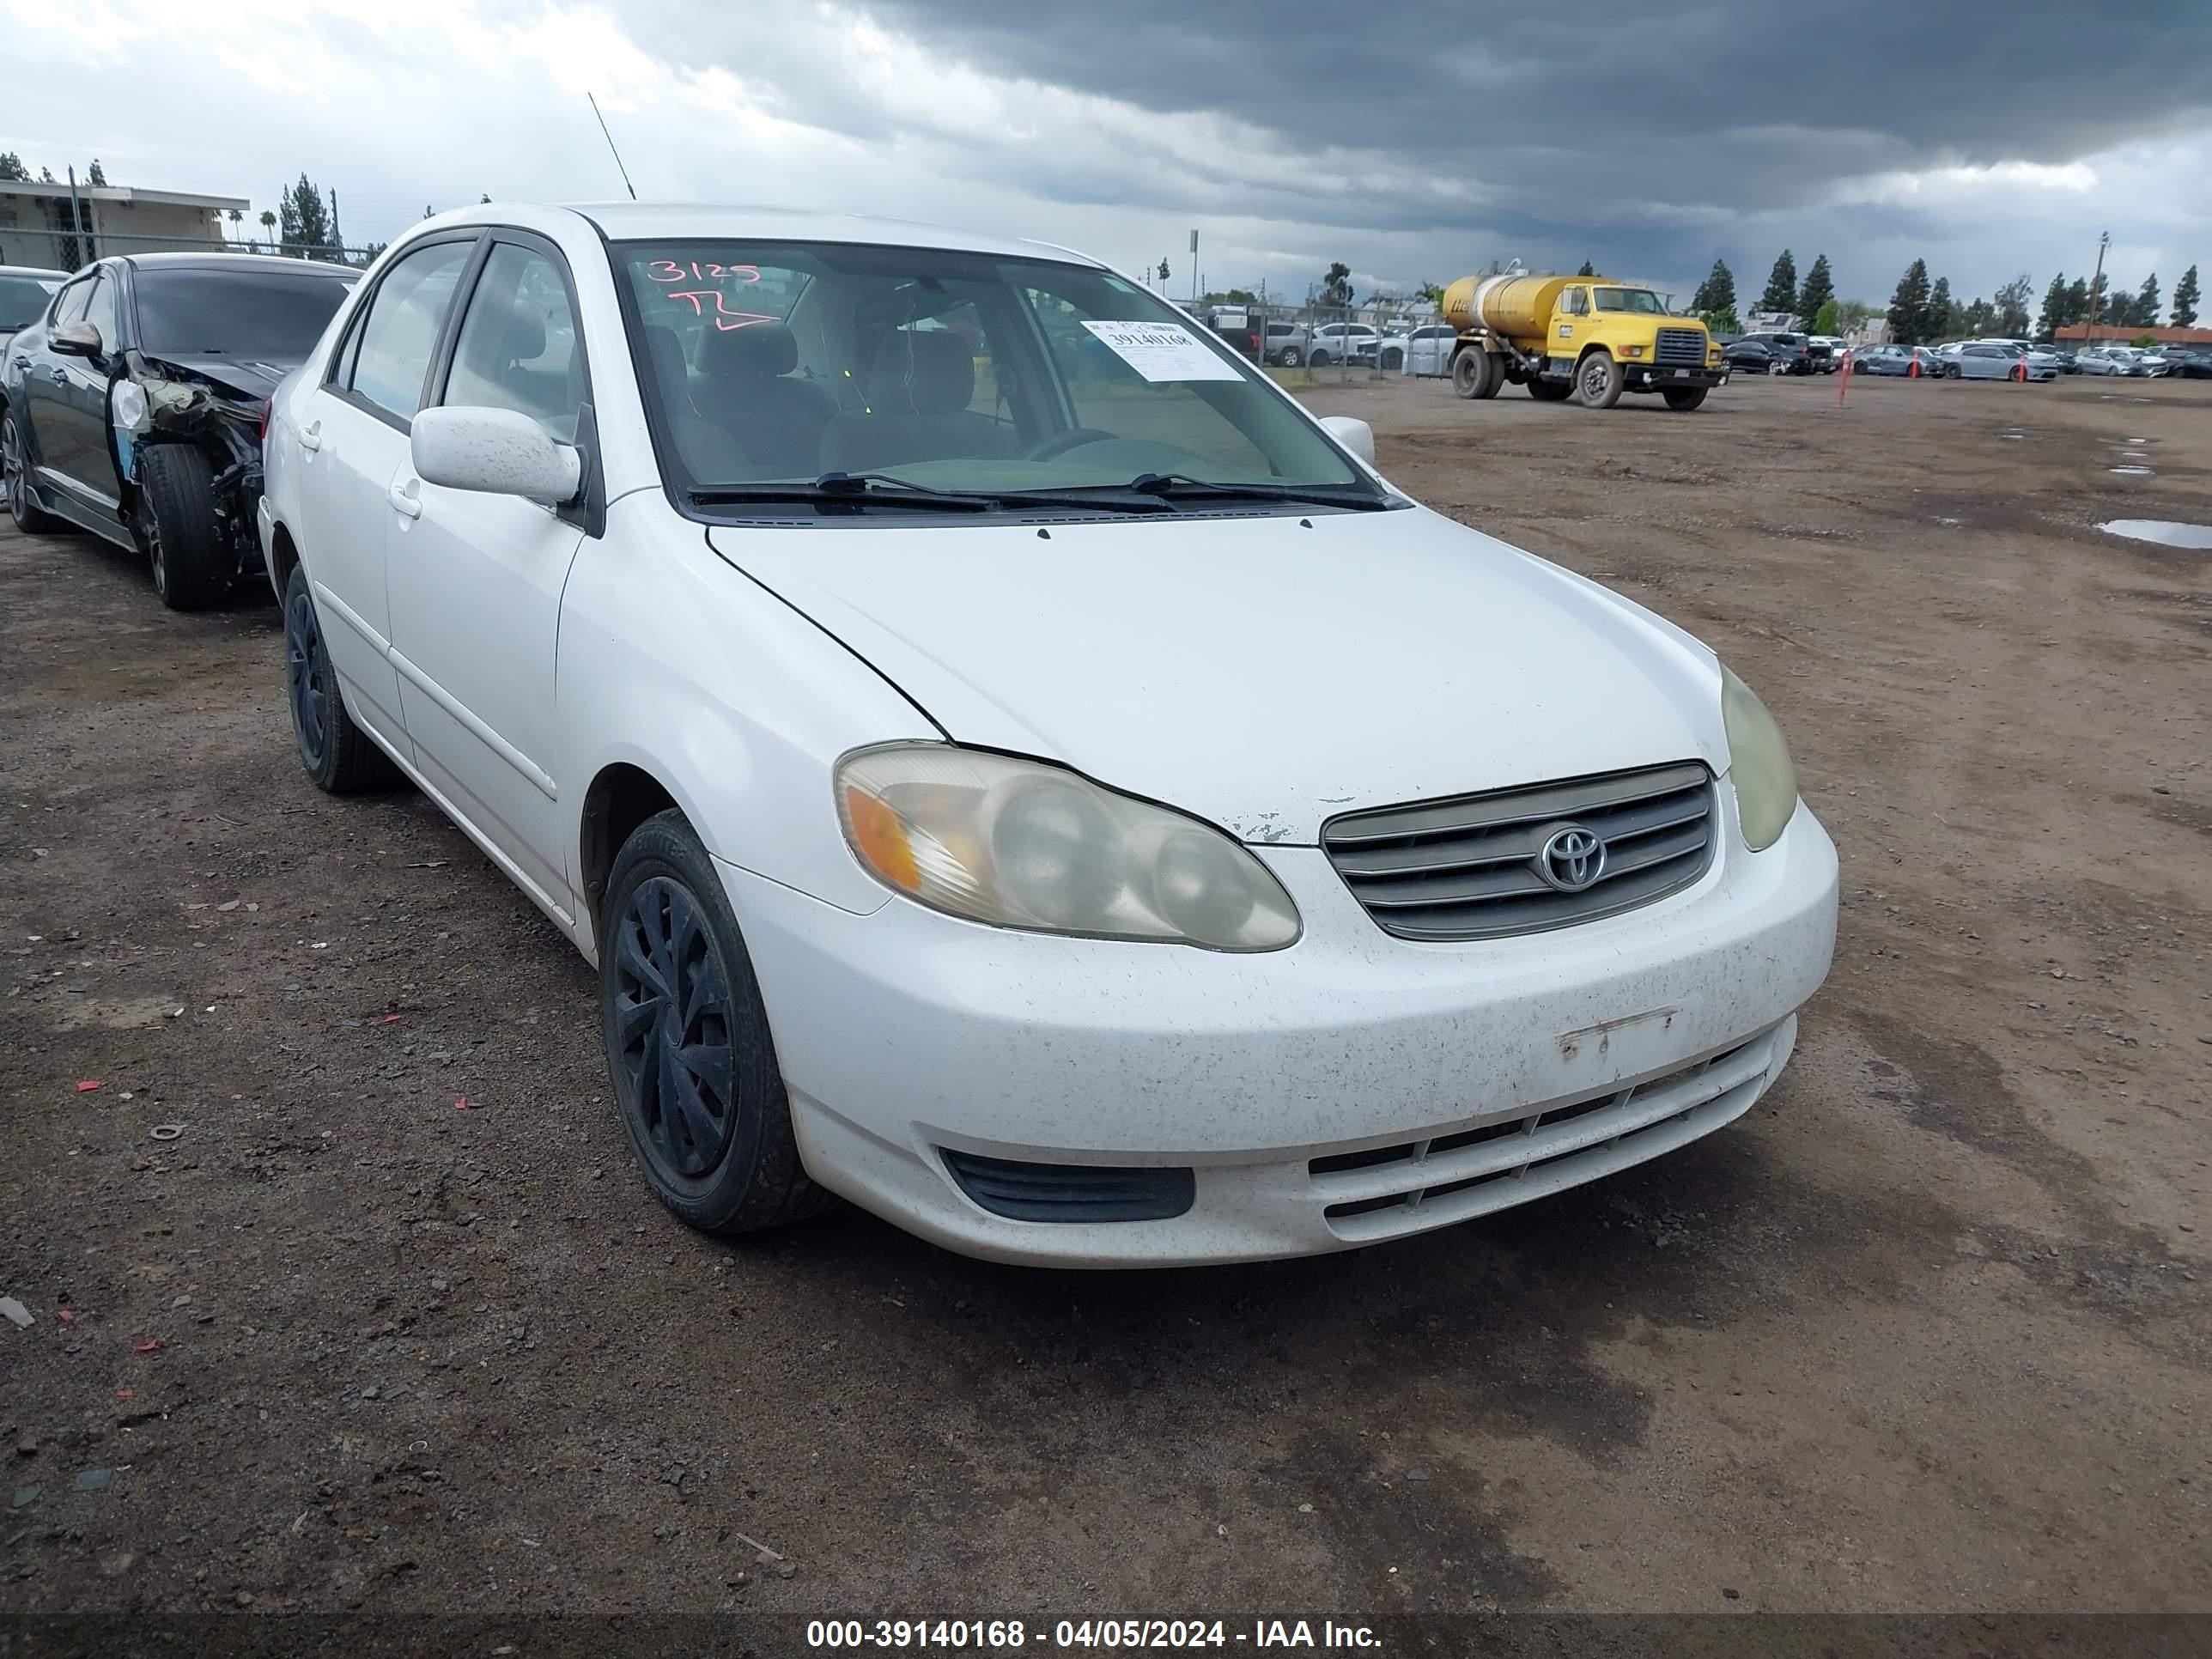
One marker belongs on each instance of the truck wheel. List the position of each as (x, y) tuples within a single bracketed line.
[(1599, 382), (1473, 373), (1683, 398), (192, 568), (22, 506), (1550, 392)]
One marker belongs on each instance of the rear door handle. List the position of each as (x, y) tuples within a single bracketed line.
[(311, 438), (404, 500)]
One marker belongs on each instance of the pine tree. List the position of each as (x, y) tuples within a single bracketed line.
[(1588, 269), (303, 227), (12, 168), (1717, 292), (1908, 306), (2054, 316), (98, 175), (2184, 299), (1781, 294), (2145, 314), (1936, 319), (2012, 307), (1820, 288)]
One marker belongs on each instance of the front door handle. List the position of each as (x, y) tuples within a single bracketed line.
[(59, 376), (311, 437), (405, 500)]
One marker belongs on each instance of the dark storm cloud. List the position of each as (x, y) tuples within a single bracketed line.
[(1600, 92)]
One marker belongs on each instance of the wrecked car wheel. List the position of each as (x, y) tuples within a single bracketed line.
[(192, 563), (30, 518), (337, 755)]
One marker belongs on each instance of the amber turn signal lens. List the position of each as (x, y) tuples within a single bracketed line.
[(881, 839)]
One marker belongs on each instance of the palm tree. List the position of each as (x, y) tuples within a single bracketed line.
[(268, 226), (235, 216)]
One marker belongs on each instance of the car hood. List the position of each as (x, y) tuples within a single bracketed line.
[(1261, 673), (248, 377)]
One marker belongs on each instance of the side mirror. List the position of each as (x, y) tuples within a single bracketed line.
[(1355, 435), (495, 451), (76, 340)]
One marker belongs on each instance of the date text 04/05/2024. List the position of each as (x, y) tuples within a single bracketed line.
[(1011, 1635)]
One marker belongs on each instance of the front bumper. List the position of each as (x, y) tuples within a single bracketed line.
[(1654, 377), (904, 1032)]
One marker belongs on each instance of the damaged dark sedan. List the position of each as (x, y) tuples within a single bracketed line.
[(133, 407)]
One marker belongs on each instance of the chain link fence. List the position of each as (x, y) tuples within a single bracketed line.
[(67, 250)]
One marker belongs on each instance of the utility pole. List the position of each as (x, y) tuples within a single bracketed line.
[(1194, 268), (2096, 283)]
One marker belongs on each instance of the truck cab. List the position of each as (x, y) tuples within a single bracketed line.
[(1651, 349)]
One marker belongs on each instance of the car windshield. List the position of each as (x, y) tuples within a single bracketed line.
[(924, 369), (270, 316), (1628, 299), (22, 299)]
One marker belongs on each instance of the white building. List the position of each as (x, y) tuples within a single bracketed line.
[(36, 226)]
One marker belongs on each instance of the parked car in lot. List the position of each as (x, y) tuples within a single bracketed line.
[(1333, 343), (926, 857), (1426, 351), (1749, 355), (2105, 359), (1789, 353), (1827, 351), (25, 291), (2188, 362), (133, 406), (1998, 360), (1896, 360)]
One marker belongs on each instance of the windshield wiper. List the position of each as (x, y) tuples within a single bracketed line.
[(1182, 486), (888, 489)]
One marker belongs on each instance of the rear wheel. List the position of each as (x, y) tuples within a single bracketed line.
[(192, 564), (1683, 398), (1475, 374), (1599, 380), (1319, 359), (336, 754), (687, 1041), (1290, 357), (23, 506), (1393, 361), (1550, 392)]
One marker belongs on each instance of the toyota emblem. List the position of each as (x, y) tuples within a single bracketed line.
[(1572, 859)]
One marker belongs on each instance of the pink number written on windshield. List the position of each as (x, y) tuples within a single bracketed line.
[(722, 313)]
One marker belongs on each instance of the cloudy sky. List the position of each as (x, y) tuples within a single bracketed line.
[(1412, 142)]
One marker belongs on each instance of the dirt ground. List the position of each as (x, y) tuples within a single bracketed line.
[(1927, 1331)]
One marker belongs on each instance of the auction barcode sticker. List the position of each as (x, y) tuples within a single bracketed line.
[(1163, 351)]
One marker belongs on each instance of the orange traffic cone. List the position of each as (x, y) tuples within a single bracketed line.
[(1912, 366), (2020, 371)]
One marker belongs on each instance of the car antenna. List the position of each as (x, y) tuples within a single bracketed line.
[(610, 137)]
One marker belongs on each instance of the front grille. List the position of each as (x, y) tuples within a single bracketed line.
[(1680, 346), (1469, 868), (1023, 1191), (1415, 1184)]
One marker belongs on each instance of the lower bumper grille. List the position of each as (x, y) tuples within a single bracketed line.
[(1680, 346), (1388, 1190), (1521, 860), (1023, 1191)]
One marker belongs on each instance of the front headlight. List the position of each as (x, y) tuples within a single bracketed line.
[(1021, 844), (1758, 760)]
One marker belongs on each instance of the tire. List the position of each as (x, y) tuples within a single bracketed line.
[(1550, 392), (22, 507), (1475, 374), (192, 566), (688, 1047), (341, 758), (1392, 362), (1290, 357), (1599, 380), (1683, 398), (1317, 359)]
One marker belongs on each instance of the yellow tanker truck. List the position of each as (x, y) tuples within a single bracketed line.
[(1581, 336)]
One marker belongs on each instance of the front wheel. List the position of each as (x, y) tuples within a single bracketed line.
[(1683, 398), (1599, 382), (687, 1040), (193, 565), (22, 506)]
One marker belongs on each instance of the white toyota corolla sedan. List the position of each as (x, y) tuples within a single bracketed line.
[(1011, 765)]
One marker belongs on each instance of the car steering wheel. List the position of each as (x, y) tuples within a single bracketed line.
[(1060, 442)]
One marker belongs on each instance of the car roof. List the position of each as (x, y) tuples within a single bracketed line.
[(664, 222), (236, 261)]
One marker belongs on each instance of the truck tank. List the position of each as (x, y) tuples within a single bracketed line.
[(1518, 307)]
